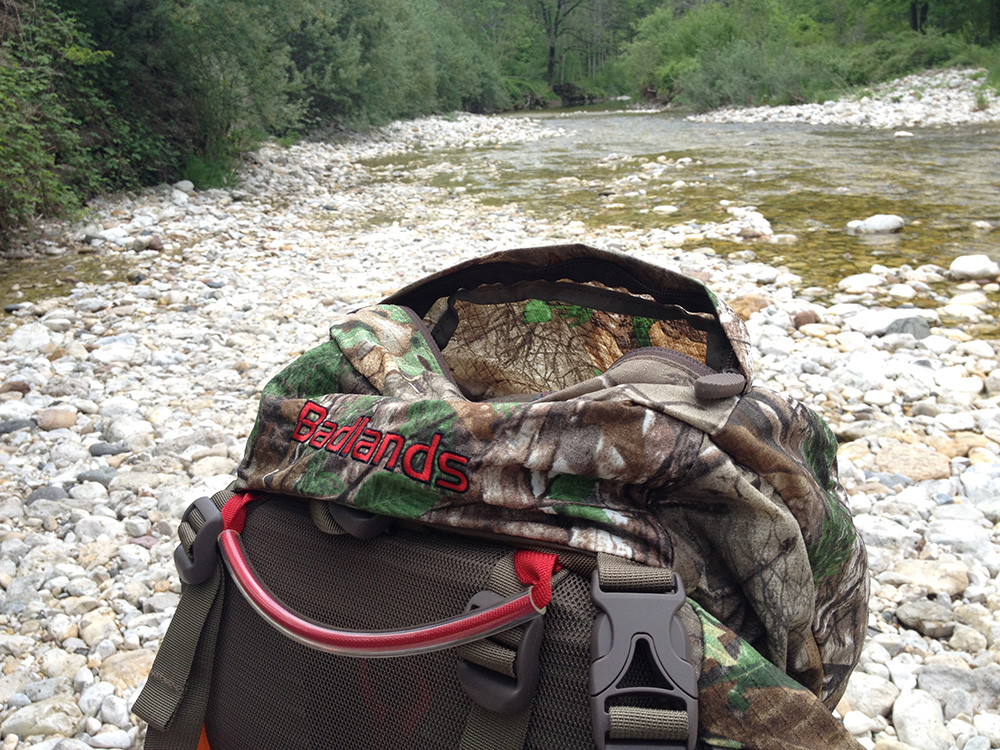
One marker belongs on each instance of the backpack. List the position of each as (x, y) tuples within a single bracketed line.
[(531, 501)]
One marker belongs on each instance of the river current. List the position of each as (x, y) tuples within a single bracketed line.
[(807, 180)]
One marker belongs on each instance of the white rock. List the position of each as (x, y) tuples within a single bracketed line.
[(989, 726), (32, 337), (973, 267), (919, 721), (860, 282), (877, 224)]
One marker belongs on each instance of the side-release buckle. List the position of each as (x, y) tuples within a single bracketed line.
[(633, 621), (497, 692), (197, 567)]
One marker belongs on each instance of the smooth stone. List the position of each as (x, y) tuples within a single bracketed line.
[(914, 326), (93, 696), (919, 721), (927, 617), (114, 738), (107, 449), (917, 462), (951, 578), (115, 710), (14, 425), (873, 696), (51, 492), (979, 742), (860, 282), (102, 476), (29, 338), (55, 419), (988, 725), (877, 224), (973, 267)]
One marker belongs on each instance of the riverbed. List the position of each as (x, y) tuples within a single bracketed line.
[(130, 387)]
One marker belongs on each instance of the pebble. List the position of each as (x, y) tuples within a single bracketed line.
[(112, 425), (926, 99)]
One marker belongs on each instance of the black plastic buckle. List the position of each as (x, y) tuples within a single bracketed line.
[(198, 567), (627, 618), (497, 692)]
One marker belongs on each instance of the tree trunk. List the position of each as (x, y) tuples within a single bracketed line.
[(551, 72)]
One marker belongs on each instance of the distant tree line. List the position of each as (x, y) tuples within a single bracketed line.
[(104, 95)]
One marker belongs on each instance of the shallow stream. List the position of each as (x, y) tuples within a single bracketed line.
[(806, 180)]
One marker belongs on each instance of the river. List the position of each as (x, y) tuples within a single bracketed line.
[(807, 180)]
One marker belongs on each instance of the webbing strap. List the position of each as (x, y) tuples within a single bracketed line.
[(319, 512), (635, 723), (175, 695), (487, 730), (182, 729), (620, 574)]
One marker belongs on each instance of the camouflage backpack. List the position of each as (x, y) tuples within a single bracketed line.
[(563, 418)]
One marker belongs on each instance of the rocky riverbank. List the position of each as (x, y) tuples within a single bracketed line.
[(929, 99), (122, 402)]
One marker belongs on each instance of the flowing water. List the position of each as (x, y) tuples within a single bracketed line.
[(806, 180)]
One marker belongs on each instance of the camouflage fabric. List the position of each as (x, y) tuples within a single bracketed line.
[(549, 394)]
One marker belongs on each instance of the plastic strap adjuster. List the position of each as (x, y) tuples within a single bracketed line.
[(497, 692), (626, 619), (197, 567)]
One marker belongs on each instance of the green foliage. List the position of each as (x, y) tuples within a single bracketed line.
[(755, 52), (901, 54), (99, 95), (46, 97)]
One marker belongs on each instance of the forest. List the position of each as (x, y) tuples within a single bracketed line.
[(107, 95)]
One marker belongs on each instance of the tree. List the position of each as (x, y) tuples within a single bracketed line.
[(555, 16)]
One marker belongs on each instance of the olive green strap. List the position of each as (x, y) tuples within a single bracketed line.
[(175, 695), (484, 729), (175, 709), (656, 724)]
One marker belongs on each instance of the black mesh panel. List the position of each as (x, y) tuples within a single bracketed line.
[(272, 693)]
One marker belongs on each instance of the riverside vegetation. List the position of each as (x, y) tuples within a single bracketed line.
[(104, 95), (126, 399)]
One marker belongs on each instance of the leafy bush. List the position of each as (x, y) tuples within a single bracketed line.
[(46, 91), (901, 54)]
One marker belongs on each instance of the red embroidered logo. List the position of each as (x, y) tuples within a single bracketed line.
[(360, 443)]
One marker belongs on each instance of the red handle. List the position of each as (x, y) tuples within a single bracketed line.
[(471, 626)]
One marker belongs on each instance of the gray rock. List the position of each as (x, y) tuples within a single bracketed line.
[(51, 716), (101, 476), (32, 337), (982, 683), (51, 492), (957, 702), (93, 696), (927, 617), (916, 327), (14, 425)]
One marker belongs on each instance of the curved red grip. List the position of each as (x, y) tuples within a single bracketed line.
[(437, 636)]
